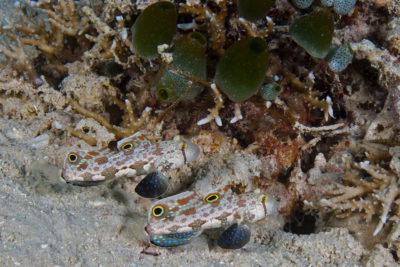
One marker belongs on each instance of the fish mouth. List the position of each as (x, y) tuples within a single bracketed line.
[(84, 183), (81, 183), (77, 182), (62, 175), (147, 230)]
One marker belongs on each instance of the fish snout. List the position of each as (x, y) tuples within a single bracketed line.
[(189, 149), (64, 175), (270, 204), (148, 230)]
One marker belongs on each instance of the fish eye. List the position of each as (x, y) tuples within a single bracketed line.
[(158, 211), (212, 198), (127, 146), (72, 157)]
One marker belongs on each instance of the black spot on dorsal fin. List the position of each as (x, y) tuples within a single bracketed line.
[(152, 186), (234, 237)]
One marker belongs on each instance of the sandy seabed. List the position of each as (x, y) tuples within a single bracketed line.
[(45, 222)]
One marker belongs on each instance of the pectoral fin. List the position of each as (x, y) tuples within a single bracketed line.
[(234, 237), (152, 186)]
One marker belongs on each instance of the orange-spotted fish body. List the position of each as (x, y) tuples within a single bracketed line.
[(187, 214), (136, 155)]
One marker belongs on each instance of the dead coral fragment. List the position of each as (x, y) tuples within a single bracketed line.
[(66, 34), (214, 112), (110, 44), (23, 101), (63, 19), (369, 196), (132, 124), (215, 21), (50, 36), (304, 89), (16, 57)]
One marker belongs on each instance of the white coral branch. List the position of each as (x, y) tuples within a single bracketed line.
[(214, 112)]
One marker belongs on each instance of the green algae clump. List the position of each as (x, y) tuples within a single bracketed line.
[(270, 91), (188, 57), (156, 25), (314, 32), (241, 69), (254, 9), (327, 2), (340, 57), (302, 3), (342, 7)]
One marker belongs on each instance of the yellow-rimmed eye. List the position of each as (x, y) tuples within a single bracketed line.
[(127, 146), (212, 198), (158, 211), (72, 157)]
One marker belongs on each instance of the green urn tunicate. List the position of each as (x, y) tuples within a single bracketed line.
[(302, 3), (254, 9), (339, 57), (327, 2), (313, 32), (241, 69), (188, 57), (270, 91), (342, 7), (156, 25)]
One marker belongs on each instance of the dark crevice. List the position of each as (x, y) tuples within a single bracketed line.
[(370, 76), (53, 77), (394, 254), (285, 175), (302, 223), (109, 69), (115, 114)]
